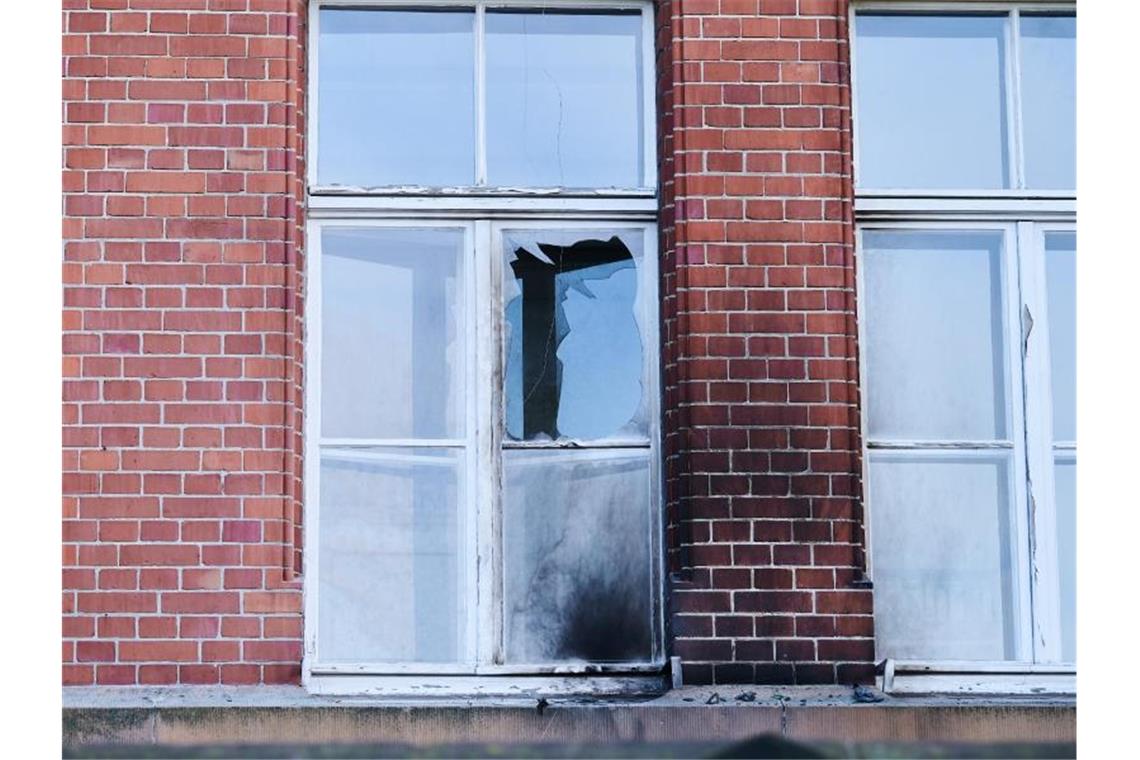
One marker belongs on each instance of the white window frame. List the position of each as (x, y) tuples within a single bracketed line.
[(1023, 216), (482, 212)]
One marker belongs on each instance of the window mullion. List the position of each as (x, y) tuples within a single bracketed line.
[(1013, 102), (1039, 449), (480, 95)]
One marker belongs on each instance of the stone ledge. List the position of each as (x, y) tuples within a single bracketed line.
[(283, 714)]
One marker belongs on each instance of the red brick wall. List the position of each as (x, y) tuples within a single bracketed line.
[(181, 341), (761, 399), (183, 277)]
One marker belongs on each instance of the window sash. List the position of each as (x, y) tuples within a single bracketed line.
[(481, 447), (1014, 139), (1032, 445), (376, 198)]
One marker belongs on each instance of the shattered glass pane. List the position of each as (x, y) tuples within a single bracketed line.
[(935, 343), (564, 99), (577, 556), (944, 574), (392, 352), (391, 556), (397, 98), (574, 335)]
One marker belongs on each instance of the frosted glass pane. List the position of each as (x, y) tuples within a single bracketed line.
[(935, 347), (931, 101), (575, 358), (943, 572), (1049, 100), (564, 99), (391, 556), (1065, 479), (396, 98), (577, 556), (392, 352), (1061, 286)]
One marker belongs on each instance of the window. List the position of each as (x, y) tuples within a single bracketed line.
[(482, 469), (965, 203)]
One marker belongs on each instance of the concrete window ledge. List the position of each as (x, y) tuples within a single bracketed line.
[(721, 714)]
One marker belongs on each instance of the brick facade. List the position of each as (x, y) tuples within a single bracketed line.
[(183, 284)]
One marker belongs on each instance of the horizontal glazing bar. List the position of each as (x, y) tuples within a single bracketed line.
[(419, 443), (939, 445), (574, 444)]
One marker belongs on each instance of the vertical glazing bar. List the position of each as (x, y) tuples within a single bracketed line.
[(311, 451), (1013, 101), (480, 96), (1022, 504), (483, 475)]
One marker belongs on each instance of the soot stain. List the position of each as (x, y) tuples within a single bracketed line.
[(605, 620)]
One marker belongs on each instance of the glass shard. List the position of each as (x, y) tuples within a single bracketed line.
[(574, 348)]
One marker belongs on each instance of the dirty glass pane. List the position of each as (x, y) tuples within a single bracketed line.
[(396, 98), (1049, 100), (574, 345), (931, 101), (1065, 480), (391, 556), (392, 351), (1061, 287), (935, 345), (577, 556), (941, 533), (564, 99)]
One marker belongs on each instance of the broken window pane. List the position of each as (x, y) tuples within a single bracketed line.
[(935, 345), (1061, 289), (564, 99), (944, 575), (392, 353), (576, 538), (1049, 100), (575, 364), (396, 101), (391, 556)]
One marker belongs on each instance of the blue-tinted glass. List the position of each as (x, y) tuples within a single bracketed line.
[(931, 102), (1049, 101), (396, 98)]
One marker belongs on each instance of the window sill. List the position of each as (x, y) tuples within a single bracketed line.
[(905, 677)]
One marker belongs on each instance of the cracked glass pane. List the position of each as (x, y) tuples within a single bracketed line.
[(392, 353), (391, 556), (576, 545), (396, 101), (945, 581), (574, 344), (564, 99)]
